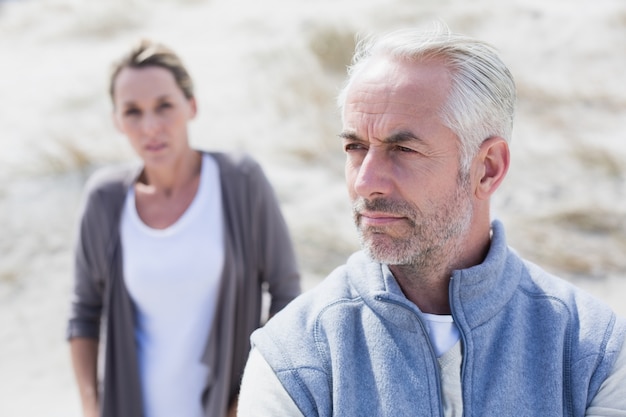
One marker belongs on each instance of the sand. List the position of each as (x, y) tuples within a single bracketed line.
[(267, 74)]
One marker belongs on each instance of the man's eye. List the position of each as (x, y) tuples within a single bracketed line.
[(352, 147), (405, 149)]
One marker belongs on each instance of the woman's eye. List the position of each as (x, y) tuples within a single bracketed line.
[(164, 106), (131, 112)]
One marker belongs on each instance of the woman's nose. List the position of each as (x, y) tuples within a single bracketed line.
[(150, 123)]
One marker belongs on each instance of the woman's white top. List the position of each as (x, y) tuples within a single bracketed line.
[(173, 278)]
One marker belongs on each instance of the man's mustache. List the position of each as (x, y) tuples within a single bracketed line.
[(384, 205)]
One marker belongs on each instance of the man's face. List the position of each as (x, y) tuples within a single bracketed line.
[(402, 168)]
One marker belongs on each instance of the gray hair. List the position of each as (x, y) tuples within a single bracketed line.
[(481, 101)]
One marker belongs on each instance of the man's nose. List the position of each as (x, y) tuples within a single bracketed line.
[(374, 175)]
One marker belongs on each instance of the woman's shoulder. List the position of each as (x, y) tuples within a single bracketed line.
[(112, 179), (235, 162)]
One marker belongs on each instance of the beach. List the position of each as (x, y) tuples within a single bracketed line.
[(267, 74)]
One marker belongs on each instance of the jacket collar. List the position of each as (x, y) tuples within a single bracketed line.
[(480, 292), (476, 293)]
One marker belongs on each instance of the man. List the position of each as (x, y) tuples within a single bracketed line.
[(437, 315)]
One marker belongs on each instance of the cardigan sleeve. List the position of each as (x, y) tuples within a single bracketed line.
[(97, 228), (86, 304), (277, 259)]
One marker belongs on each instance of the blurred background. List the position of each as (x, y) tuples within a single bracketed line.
[(267, 73)]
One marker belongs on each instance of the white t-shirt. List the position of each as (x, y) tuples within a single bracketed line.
[(442, 332), (173, 277)]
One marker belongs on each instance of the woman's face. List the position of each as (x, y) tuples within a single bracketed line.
[(153, 112)]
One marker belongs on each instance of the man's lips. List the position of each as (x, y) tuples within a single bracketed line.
[(379, 219)]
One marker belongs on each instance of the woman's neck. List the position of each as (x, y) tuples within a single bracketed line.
[(168, 180)]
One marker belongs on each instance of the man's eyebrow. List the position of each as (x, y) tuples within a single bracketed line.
[(402, 137), (397, 137), (349, 135)]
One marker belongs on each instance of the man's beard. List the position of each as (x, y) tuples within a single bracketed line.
[(429, 235)]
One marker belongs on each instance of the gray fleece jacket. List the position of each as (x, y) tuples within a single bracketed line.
[(533, 345)]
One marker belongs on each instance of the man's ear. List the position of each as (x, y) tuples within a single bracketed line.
[(490, 166)]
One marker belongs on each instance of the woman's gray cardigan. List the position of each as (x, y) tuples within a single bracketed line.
[(258, 251)]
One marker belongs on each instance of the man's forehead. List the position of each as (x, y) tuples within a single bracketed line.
[(399, 86)]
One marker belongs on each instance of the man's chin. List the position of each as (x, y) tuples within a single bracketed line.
[(386, 257), (384, 233), (383, 249)]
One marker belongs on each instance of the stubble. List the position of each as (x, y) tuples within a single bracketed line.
[(430, 236)]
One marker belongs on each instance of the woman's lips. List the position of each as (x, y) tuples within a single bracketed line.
[(155, 147)]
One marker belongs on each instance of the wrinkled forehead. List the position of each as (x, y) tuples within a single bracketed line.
[(408, 82), (396, 89)]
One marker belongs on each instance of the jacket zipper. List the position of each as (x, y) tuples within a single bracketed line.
[(430, 346), (463, 340)]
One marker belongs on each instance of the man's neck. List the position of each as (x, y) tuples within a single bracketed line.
[(426, 283), (429, 292)]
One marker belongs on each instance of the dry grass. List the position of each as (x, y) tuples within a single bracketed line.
[(301, 105), (332, 46), (600, 159), (320, 250), (9, 276), (63, 155), (580, 242)]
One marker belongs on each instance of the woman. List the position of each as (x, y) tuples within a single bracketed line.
[(171, 257)]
